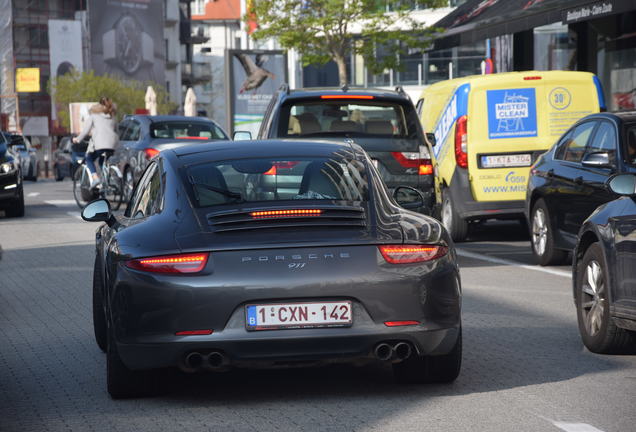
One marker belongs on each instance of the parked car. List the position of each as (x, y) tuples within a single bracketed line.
[(28, 155), (68, 156), (604, 272), (490, 129), (11, 187), (382, 122), (142, 136), (205, 271), (567, 183)]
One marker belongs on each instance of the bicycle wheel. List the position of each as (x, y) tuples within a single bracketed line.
[(113, 191), (82, 186)]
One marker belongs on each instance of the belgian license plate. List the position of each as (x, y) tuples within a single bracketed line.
[(298, 315), (502, 161)]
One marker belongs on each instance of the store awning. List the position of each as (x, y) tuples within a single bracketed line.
[(480, 19)]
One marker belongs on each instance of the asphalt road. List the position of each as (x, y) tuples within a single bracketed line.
[(524, 368)]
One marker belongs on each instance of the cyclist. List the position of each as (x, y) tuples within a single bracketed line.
[(104, 139)]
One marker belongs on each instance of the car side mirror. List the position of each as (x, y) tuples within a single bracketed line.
[(430, 137), (408, 197), (98, 211), (597, 160), (622, 184), (242, 136)]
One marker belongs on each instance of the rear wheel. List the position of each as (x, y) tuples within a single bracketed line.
[(128, 184), (114, 189), (542, 236), (598, 331), (58, 173), (122, 382), (452, 221), (16, 206), (99, 312), (431, 369)]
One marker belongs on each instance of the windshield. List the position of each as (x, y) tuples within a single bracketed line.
[(187, 130), (279, 179), (334, 117)]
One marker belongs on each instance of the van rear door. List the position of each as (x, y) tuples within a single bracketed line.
[(523, 115)]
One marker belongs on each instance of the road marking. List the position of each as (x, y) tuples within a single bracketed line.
[(60, 202), (576, 427), (75, 215), (506, 262), (33, 194)]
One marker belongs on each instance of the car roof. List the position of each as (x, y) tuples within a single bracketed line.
[(624, 116), (165, 118), (224, 150), (302, 93)]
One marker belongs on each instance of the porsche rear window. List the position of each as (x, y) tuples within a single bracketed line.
[(186, 130), (278, 179)]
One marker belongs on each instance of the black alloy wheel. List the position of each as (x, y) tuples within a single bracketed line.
[(597, 328), (15, 208)]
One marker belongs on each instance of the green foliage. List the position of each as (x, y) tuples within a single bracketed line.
[(88, 87), (323, 30)]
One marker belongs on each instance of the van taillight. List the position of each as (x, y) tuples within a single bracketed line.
[(414, 160), (461, 142)]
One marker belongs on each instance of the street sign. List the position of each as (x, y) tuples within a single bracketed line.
[(27, 80)]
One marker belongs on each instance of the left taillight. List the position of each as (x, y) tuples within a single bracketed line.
[(150, 153), (182, 263), (414, 160), (407, 254)]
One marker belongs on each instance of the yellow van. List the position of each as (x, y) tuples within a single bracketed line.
[(489, 129)]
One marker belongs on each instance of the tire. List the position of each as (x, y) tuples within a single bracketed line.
[(99, 312), (16, 206), (121, 382), (456, 226), (128, 184), (542, 236), (58, 174), (430, 369), (597, 328), (81, 187)]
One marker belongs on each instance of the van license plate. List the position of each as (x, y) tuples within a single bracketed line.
[(298, 315), (502, 161)]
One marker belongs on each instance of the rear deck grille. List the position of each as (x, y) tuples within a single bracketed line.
[(242, 220)]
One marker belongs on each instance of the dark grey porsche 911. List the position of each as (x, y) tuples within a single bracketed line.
[(269, 253)]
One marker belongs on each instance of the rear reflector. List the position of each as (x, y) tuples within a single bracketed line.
[(531, 78), (151, 152), (194, 332), (400, 323), (182, 263), (346, 97), (406, 254), (285, 213)]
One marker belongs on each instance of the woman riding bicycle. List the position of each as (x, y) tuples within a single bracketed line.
[(104, 139)]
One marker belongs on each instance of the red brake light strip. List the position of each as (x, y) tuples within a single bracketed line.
[(284, 213), (346, 97)]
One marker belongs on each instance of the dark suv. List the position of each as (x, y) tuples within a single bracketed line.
[(383, 122)]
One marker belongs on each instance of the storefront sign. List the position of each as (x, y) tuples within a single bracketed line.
[(27, 80), (593, 10)]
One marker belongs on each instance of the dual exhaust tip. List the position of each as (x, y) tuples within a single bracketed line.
[(396, 352), (196, 361)]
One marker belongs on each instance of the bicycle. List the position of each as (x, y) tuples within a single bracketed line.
[(111, 187)]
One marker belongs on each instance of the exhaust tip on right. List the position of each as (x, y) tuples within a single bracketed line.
[(383, 351), (402, 350)]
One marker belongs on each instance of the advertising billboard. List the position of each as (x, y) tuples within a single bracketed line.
[(27, 80), (65, 50), (254, 76), (127, 39)]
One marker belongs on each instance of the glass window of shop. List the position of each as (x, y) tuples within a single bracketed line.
[(616, 59), (554, 47), (466, 60)]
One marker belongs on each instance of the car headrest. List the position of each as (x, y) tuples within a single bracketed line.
[(381, 127)]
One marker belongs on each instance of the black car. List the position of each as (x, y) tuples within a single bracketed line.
[(30, 163), (211, 268), (567, 182), (11, 186), (604, 272), (142, 136), (382, 122), (68, 156)]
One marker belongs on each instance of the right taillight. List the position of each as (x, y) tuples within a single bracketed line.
[(407, 254), (414, 160), (461, 142), (182, 263)]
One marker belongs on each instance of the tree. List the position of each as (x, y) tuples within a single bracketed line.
[(88, 87), (323, 30)]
